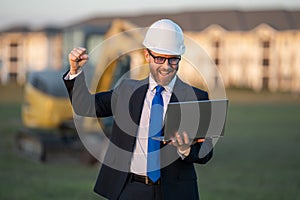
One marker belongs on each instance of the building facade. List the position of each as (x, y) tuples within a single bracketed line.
[(259, 50), (23, 50), (261, 59)]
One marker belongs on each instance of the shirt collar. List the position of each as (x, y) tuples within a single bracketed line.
[(168, 88)]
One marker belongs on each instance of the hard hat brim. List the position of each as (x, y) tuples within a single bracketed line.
[(164, 51)]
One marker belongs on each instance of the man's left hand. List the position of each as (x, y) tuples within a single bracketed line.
[(182, 142)]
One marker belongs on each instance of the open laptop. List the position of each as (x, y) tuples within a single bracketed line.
[(199, 119)]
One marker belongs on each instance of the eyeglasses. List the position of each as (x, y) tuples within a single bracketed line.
[(162, 60)]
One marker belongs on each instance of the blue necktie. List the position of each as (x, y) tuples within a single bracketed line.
[(155, 129)]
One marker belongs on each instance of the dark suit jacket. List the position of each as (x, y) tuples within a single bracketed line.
[(125, 103)]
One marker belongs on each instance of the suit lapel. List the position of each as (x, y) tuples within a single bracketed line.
[(137, 101), (179, 91)]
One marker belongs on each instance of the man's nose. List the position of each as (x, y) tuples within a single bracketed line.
[(166, 64)]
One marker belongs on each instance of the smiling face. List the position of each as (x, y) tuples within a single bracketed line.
[(161, 73)]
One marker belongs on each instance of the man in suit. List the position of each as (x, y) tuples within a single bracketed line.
[(129, 169)]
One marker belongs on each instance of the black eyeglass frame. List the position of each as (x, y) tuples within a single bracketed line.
[(162, 60)]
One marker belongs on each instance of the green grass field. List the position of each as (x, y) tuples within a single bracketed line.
[(257, 159)]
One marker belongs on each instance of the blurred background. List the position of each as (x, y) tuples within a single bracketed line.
[(255, 46)]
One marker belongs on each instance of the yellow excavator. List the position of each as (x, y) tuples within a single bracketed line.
[(47, 118), (49, 133)]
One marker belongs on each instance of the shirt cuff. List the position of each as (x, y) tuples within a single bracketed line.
[(184, 153), (70, 76)]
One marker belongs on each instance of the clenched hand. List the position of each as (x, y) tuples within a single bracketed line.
[(77, 58)]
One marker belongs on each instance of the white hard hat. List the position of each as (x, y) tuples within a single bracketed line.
[(165, 37)]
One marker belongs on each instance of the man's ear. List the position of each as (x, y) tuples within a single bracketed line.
[(147, 56)]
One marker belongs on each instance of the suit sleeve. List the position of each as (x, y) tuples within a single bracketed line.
[(86, 104), (200, 153)]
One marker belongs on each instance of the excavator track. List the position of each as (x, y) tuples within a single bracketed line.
[(49, 147)]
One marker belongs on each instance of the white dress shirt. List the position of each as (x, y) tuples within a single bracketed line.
[(70, 76), (139, 158)]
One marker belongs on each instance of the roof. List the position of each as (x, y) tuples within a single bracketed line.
[(232, 20), (18, 28), (24, 29), (278, 19)]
